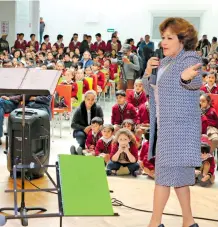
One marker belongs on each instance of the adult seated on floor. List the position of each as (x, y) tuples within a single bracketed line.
[(81, 123), (7, 105)]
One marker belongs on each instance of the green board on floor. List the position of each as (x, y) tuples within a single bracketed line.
[(84, 186)]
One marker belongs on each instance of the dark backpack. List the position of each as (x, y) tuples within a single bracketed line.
[(59, 102), (138, 74)]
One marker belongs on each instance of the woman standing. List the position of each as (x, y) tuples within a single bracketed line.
[(175, 116), (83, 115)]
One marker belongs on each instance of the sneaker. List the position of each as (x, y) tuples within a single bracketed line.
[(195, 225), (79, 151), (108, 172), (161, 225), (73, 150)]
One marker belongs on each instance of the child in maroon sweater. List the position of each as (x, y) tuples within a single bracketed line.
[(104, 144), (137, 96), (124, 153), (205, 176), (210, 86), (122, 110), (212, 119), (101, 77), (93, 136), (146, 165), (80, 77)]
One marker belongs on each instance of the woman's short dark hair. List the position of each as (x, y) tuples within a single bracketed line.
[(121, 92), (59, 37), (32, 35), (185, 31), (214, 39), (97, 120)]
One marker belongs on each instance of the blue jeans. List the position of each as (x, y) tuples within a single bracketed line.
[(116, 165), (80, 137), (6, 106), (40, 37)]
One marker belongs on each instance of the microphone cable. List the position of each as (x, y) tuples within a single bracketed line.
[(118, 203)]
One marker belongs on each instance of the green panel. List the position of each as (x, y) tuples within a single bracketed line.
[(84, 186), (79, 94), (110, 30)]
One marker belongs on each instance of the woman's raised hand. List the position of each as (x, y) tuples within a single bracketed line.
[(191, 72)]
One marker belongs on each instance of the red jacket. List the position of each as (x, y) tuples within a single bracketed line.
[(48, 46), (144, 156), (143, 115), (72, 46), (136, 101), (91, 139), (119, 115), (85, 86), (22, 46), (74, 88), (214, 89), (57, 46), (35, 45), (212, 118), (111, 72), (101, 46), (101, 79), (133, 149), (204, 124), (109, 47), (102, 147)]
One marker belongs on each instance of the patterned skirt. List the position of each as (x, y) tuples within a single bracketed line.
[(174, 176)]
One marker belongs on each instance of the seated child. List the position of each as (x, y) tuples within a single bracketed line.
[(88, 72), (129, 124), (205, 176), (212, 119), (124, 154), (69, 79), (146, 165), (210, 86), (101, 77), (104, 144), (93, 136), (80, 77), (137, 96), (108, 69), (122, 110), (143, 115)]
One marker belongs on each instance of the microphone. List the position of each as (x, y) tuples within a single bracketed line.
[(158, 53), (3, 220)]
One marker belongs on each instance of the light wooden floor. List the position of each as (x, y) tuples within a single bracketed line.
[(133, 192)]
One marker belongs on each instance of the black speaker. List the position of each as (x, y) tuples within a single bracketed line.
[(37, 140)]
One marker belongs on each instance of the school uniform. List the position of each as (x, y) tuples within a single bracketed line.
[(92, 138), (143, 115), (20, 44), (211, 116), (136, 99), (120, 113), (103, 146), (123, 157), (74, 88), (99, 45), (113, 46), (91, 47), (48, 45), (208, 90), (204, 124), (144, 156), (101, 79), (73, 45), (101, 61), (85, 86), (35, 44), (59, 45)]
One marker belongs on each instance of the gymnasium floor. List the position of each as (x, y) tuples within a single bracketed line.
[(133, 192)]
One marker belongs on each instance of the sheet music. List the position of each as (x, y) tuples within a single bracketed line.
[(11, 78), (41, 80)]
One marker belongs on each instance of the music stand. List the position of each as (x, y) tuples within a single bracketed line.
[(26, 82)]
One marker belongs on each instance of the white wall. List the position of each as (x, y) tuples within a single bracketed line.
[(7, 13), (132, 18)]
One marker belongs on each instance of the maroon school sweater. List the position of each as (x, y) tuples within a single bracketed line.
[(73, 46), (59, 46), (213, 90), (102, 147), (101, 46), (143, 115), (35, 45), (91, 139), (119, 115), (144, 156), (101, 79), (204, 124), (133, 149), (136, 101), (212, 118), (22, 46), (85, 86)]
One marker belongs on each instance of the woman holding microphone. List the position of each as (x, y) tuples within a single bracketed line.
[(175, 117)]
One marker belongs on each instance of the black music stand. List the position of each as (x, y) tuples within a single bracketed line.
[(26, 82)]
